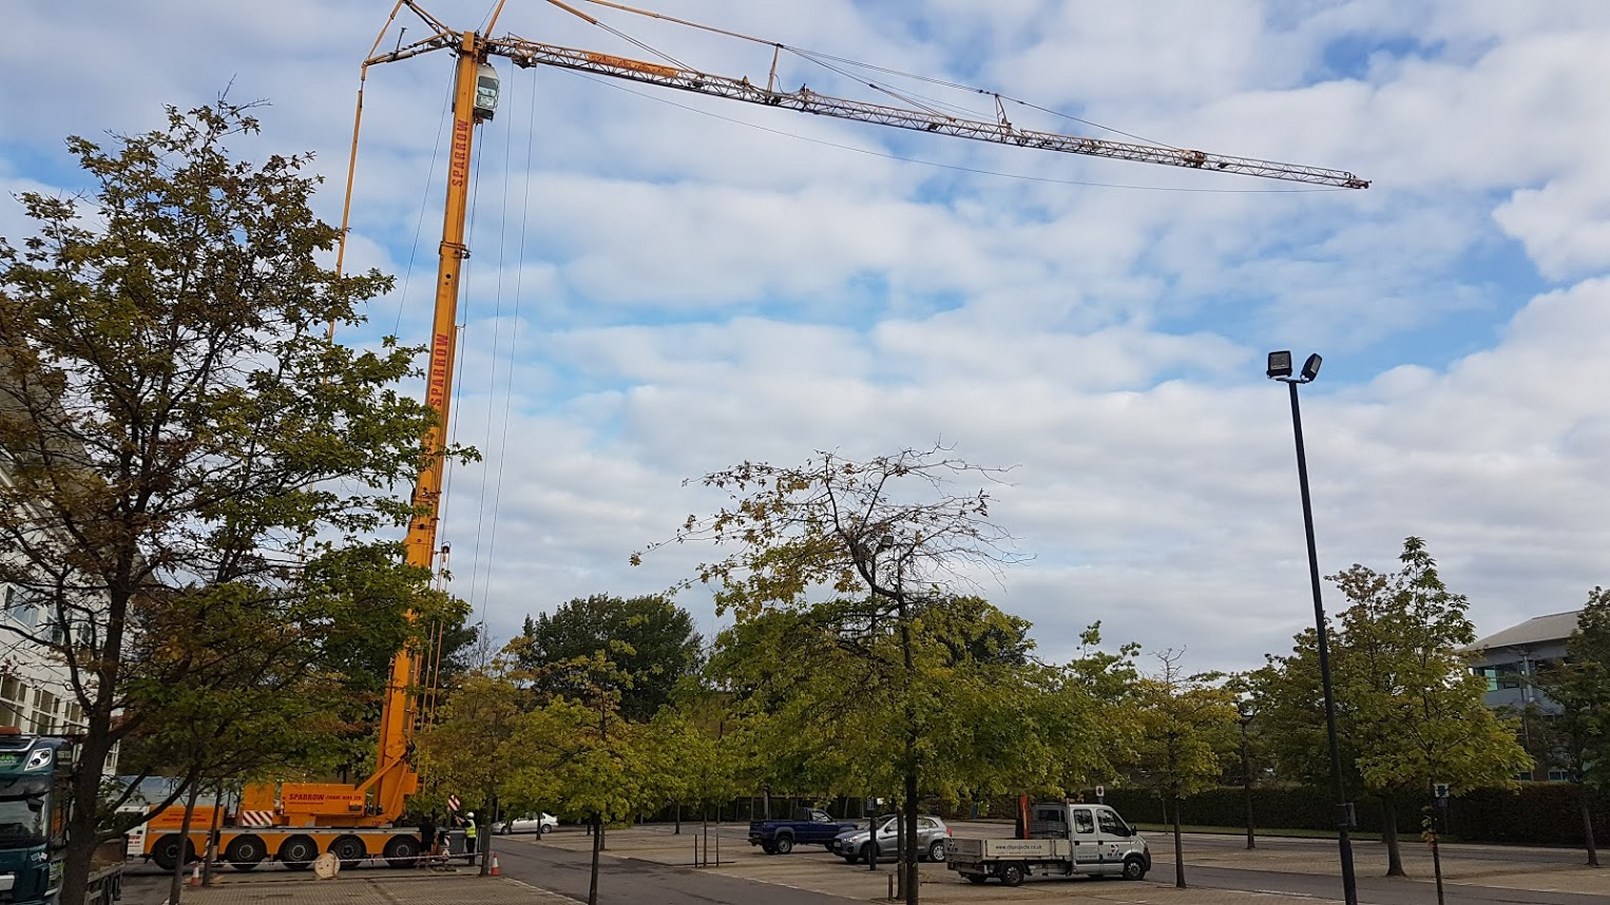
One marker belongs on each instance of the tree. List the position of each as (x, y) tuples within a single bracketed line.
[(875, 542), (1581, 686), (1409, 709), (582, 755), (475, 746), (177, 418), (648, 637), (1185, 720)]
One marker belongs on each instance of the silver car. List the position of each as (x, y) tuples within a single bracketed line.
[(852, 845), (542, 824)]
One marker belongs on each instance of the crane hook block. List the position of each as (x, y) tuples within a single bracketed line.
[(486, 92)]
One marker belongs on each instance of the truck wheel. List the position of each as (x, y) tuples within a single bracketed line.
[(1134, 868), (936, 852), (348, 850), (784, 844), (167, 852), (298, 852), (402, 851), (246, 852), (1011, 874)]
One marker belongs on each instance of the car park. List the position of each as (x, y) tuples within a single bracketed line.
[(540, 823), (854, 845)]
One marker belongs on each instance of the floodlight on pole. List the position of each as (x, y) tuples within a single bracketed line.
[(1280, 369)]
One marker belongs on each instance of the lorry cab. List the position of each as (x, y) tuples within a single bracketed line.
[(1100, 841)]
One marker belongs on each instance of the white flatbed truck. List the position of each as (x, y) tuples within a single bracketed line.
[(1068, 839)]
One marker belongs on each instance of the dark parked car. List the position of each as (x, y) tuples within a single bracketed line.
[(809, 826)]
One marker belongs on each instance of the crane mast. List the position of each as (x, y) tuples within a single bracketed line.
[(380, 798)]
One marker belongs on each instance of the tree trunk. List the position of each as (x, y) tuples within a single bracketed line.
[(1587, 824), (1179, 846), (84, 818), (909, 868), (592, 877), (212, 854), (175, 882), (678, 820), (1389, 835)]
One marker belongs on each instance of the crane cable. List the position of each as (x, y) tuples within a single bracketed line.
[(481, 579), (818, 58)]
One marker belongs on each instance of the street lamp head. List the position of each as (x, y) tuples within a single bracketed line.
[(1279, 365), (1310, 367)]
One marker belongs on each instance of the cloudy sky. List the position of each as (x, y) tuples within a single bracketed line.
[(664, 284)]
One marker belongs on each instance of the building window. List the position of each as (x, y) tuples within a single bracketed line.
[(1501, 676)]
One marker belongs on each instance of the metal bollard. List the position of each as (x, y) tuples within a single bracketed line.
[(891, 887)]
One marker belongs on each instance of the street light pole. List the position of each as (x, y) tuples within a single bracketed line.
[(1280, 369)]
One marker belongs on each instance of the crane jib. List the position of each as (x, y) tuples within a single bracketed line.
[(530, 53)]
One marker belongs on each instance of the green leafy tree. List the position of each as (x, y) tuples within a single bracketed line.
[(1185, 720), (1408, 706), (476, 748), (175, 414), (648, 637), (583, 755), (1580, 733), (883, 537)]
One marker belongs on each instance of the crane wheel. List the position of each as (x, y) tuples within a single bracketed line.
[(402, 851), (246, 852), (348, 850), (298, 852), (166, 853)]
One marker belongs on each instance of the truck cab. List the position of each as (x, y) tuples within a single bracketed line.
[(33, 798), (1100, 840)]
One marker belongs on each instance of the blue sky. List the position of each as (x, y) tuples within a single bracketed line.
[(665, 284)]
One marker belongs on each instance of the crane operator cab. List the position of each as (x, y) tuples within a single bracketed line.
[(486, 92)]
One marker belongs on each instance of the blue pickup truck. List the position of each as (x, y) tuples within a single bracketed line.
[(809, 826)]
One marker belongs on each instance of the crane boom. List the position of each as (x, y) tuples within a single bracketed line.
[(526, 53)]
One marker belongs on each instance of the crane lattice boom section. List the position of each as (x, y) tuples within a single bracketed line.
[(530, 53)]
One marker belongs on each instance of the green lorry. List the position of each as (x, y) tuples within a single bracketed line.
[(34, 801)]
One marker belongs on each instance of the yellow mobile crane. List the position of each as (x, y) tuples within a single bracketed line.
[(296, 821)]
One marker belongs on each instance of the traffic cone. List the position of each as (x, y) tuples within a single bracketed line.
[(495, 871), (195, 875)]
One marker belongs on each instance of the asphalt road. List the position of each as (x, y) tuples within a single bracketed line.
[(625, 881)]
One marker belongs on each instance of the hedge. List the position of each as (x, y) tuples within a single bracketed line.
[(1533, 814)]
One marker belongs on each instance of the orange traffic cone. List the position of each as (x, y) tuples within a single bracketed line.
[(495, 871), (195, 875)]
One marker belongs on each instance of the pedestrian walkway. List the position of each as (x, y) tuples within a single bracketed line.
[(384, 888)]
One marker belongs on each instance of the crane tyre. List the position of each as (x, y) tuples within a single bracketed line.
[(167, 852), (349, 850), (402, 851), (298, 852), (246, 852)]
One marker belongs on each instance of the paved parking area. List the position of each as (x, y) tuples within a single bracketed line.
[(358, 887)]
